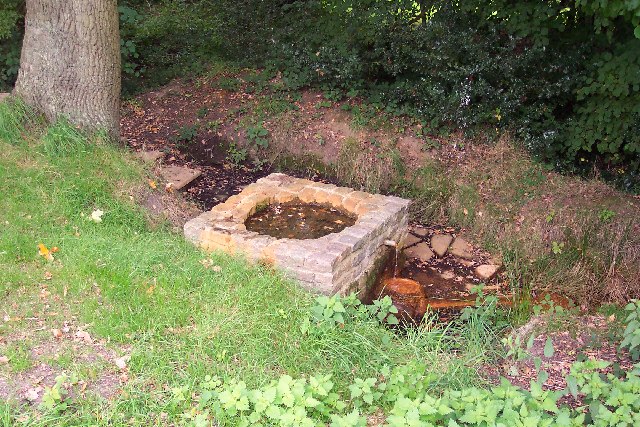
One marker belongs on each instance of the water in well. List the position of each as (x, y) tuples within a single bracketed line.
[(296, 220)]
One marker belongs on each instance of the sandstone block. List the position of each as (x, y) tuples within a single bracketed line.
[(461, 248), (420, 251), (440, 243)]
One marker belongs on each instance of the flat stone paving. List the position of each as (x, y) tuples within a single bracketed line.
[(336, 263)]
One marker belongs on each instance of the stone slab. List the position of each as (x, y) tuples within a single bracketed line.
[(440, 243), (179, 176), (411, 240), (461, 248), (420, 251), (335, 263), (150, 156), (486, 271)]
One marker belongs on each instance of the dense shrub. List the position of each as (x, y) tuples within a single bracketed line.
[(564, 75), (11, 29)]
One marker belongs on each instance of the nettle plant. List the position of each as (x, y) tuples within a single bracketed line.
[(329, 312), (258, 135), (631, 340), (406, 395)]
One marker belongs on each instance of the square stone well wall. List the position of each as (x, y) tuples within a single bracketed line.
[(336, 263)]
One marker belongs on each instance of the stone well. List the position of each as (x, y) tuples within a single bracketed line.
[(336, 263)]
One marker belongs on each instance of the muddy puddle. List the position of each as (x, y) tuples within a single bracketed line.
[(295, 220)]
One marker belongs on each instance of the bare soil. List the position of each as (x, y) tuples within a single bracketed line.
[(587, 337), (66, 349)]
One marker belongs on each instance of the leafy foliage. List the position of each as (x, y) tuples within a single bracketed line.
[(564, 76), (631, 339), (404, 394), (11, 25)]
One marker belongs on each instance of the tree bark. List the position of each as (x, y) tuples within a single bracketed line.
[(70, 62)]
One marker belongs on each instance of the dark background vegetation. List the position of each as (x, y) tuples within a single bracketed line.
[(563, 76)]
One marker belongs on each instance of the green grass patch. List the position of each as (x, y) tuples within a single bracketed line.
[(146, 292)]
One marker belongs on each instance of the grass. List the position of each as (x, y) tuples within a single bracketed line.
[(143, 291)]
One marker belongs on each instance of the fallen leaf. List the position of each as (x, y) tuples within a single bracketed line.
[(44, 252), (54, 249), (32, 394), (4, 360), (47, 275), (96, 216), (216, 268), (121, 362), (84, 336), (169, 187), (150, 289), (153, 184), (57, 333)]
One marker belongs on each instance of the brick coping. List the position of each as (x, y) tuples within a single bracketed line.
[(335, 263)]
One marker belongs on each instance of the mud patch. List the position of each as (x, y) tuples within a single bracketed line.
[(88, 364)]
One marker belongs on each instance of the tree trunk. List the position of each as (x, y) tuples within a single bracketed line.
[(70, 63)]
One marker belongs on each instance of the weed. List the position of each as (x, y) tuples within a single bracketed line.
[(202, 112), (258, 135), (557, 248), (631, 333), (231, 84), (605, 215), (236, 155), (53, 397), (214, 125), (323, 104), (186, 133)]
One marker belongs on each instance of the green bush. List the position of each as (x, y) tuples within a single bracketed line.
[(11, 29), (562, 75)]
